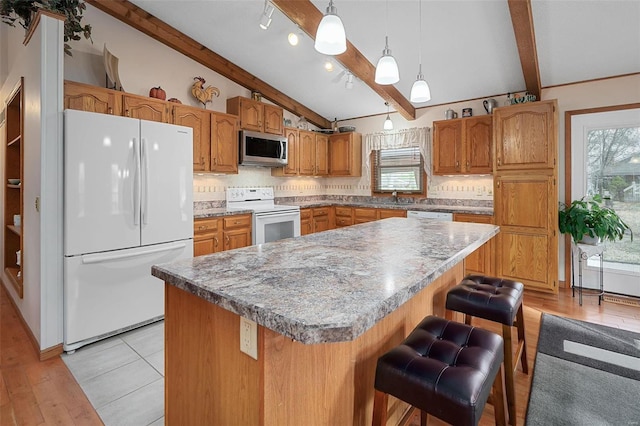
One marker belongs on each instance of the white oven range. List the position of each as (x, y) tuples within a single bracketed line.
[(271, 222)]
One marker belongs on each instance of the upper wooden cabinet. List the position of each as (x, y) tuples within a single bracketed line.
[(84, 97), (224, 143), (146, 108), (308, 154), (200, 121), (525, 136), (345, 154), (256, 116), (462, 146)]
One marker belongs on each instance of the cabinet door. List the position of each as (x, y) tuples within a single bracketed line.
[(363, 215), (307, 155), (345, 154), (447, 147), (385, 213), (478, 139), (480, 261), (200, 121), (306, 222), (146, 108), (207, 236), (224, 143), (527, 245), (237, 238), (251, 115), (344, 216), (525, 136), (322, 155), (321, 223), (93, 99), (273, 119), (292, 167)]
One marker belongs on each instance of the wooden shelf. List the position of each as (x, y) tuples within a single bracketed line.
[(14, 140), (14, 279), (15, 229), (9, 185)]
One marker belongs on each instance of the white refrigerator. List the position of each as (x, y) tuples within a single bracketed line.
[(128, 204)]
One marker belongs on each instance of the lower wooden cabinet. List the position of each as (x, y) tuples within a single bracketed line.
[(315, 220), (306, 221), (211, 235), (344, 216), (482, 260), (364, 214), (385, 213)]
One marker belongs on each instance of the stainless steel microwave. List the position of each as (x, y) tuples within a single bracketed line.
[(263, 149)]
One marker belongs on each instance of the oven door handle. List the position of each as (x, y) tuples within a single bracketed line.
[(277, 214)]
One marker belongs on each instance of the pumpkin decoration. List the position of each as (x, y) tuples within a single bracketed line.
[(158, 93), (174, 100)]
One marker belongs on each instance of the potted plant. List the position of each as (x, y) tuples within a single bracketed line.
[(23, 11), (591, 218)]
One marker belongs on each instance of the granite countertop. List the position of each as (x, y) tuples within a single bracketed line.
[(221, 211), (329, 286)]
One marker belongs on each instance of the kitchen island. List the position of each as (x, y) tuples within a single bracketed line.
[(327, 306)]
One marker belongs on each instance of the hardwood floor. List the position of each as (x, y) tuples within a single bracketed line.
[(34, 392), (45, 393)]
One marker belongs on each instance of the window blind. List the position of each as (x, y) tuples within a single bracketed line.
[(398, 169)]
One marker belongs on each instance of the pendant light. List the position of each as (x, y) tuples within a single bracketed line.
[(330, 36), (387, 68), (265, 19), (388, 124), (420, 91)]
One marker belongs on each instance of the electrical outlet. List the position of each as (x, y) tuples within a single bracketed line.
[(249, 337)]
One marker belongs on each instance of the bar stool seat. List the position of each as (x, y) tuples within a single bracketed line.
[(498, 300), (446, 369)]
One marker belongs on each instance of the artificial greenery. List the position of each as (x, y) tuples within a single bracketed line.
[(591, 217), (22, 11)]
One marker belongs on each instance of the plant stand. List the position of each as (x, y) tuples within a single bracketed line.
[(584, 252)]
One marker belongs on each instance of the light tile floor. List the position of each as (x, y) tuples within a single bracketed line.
[(123, 376)]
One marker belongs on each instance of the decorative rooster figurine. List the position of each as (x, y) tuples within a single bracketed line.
[(201, 94)]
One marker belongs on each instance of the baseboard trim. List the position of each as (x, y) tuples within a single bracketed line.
[(42, 354)]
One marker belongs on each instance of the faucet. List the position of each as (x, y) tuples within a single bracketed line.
[(394, 194)]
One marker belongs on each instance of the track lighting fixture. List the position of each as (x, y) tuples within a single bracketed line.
[(265, 18), (348, 84), (330, 36)]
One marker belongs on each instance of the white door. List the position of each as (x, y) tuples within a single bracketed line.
[(167, 182), (100, 182), (108, 292)]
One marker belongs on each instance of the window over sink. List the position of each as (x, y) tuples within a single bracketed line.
[(398, 169)]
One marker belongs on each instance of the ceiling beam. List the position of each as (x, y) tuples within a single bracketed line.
[(143, 21), (308, 17), (522, 20)]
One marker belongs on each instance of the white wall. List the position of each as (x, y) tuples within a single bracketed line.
[(40, 63)]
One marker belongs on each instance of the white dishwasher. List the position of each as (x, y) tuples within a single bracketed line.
[(420, 214)]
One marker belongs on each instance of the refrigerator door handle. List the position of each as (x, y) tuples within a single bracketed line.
[(107, 257), (136, 182), (145, 181)]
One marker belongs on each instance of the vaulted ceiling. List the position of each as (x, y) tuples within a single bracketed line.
[(470, 49)]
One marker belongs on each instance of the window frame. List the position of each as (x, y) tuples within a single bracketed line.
[(389, 193)]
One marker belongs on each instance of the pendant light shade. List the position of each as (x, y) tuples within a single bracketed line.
[(420, 91), (388, 124), (330, 36), (387, 68)]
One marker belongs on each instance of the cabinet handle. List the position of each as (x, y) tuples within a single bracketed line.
[(499, 162), (457, 164), (467, 164), (215, 241), (110, 110), (202, 227), (226, 239), (237, 222), (127, 113), (498, 184)]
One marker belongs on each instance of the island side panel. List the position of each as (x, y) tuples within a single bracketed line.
[(208, 381), (330, 384)]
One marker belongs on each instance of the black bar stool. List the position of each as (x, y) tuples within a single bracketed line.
[(498, 300), (446, 369)]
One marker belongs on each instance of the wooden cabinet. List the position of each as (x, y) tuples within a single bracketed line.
[(200, 121), (236, 231), (314, 220), (462, 146), (344, 216), (224, 143), (13, 196), (364, 214), (308, 154), (146, 108), (345, 154), (526, 210), (480, 261), (385, 213), (256, 116), (211, 235), (84, 97), (525, 136), (207, 236)]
